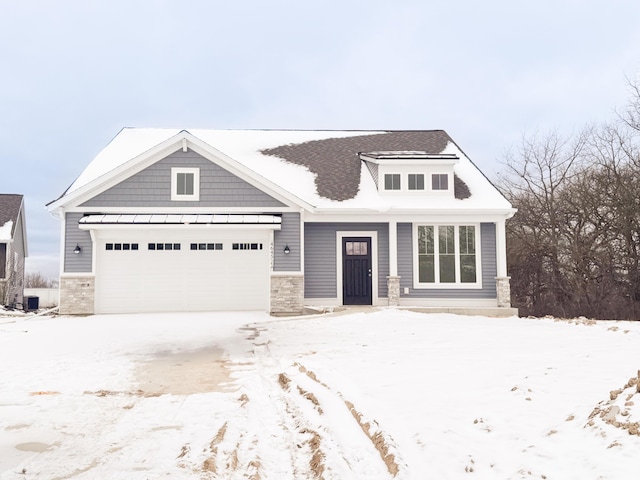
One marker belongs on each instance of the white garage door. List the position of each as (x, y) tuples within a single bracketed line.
[(198, 269)]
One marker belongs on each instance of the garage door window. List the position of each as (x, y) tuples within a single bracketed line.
[(164, 246), (206, 246), (247, 246), (121, 246)]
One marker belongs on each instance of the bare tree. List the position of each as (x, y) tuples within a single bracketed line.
[(631, 115), (534, 181), (37, 280)]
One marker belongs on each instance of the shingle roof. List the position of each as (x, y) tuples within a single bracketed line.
[(336, 163), (320, 170), (10, 208)]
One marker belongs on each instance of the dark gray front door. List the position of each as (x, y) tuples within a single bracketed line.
[(356, 271)]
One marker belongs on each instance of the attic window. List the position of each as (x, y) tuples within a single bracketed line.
[(185, 184)]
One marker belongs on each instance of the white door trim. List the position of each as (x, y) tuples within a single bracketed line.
[(373, 235)]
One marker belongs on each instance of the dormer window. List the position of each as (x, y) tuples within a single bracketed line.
[(413, 173), (392, 181), (440, 181), (185, 184), (416, 181)]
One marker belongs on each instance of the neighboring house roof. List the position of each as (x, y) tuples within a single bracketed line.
[(321, 169), (10, 210)]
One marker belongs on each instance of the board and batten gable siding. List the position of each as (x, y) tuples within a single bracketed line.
[(152, 187), (76, 262), (488, 265), (288, 235), (320, 267)]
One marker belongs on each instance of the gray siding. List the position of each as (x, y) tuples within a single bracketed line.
[(12, 268), (152, 187), (320, 268), (373, 169), (289, 234), (3, 260), (488, 265), (76, 262)]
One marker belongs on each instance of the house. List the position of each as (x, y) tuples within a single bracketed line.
[(274, 220), (13, 249)]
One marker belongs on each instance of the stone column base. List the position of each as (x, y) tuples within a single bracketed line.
[(77, 295), (503, 291), (393, 293), (287, 294)]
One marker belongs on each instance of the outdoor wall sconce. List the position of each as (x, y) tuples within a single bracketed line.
[(287, 250), (77, 249)]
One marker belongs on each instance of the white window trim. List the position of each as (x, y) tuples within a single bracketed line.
[(439, 285), (196, 184), (384, 182), (438, 190)]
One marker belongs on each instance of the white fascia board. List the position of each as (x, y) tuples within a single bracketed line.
[(228, 163), (365, 216), (412, 162)]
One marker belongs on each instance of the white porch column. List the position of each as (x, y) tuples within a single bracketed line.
[(501, 249), (393, 248)]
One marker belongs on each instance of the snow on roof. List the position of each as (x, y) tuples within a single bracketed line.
[(322, 168), (6, 230)]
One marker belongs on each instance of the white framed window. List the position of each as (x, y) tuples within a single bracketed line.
[(447, 256), (185, 184), (392, 181), (440, 181), (416, 181)]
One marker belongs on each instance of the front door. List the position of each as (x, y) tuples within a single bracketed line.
[(356, 271)]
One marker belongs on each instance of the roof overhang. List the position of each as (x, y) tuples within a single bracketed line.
[(88, 222), (409, 158)]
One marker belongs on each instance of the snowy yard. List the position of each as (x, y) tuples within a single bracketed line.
[(379, 395)]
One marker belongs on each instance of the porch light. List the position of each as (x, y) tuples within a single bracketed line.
[(287, 250), (77, 249)]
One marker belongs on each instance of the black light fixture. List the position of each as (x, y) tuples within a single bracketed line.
[(77, 249), (287, 250)]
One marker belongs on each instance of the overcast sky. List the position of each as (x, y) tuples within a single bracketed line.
[(73, 73)]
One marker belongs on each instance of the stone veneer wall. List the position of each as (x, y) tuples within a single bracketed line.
[(77, 295), (287, 294), (503, 290), (393, 288)]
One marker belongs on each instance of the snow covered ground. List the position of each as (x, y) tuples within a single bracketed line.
[(368, 395)]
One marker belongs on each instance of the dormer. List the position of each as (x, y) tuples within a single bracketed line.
[(412, 173)]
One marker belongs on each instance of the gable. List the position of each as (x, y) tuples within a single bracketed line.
[(151, 187)]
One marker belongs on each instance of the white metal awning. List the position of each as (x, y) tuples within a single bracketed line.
[(269, 221)]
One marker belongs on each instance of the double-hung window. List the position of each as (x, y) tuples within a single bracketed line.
[(446, 255), (185, 184)]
